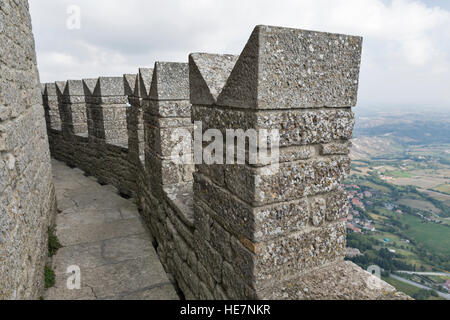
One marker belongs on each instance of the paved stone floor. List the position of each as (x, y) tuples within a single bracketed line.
[(102, 233)]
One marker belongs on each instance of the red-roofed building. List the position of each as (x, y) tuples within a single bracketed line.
[(357, 203)]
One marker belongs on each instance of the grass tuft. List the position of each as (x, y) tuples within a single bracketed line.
[(53, 242), (49, 277)]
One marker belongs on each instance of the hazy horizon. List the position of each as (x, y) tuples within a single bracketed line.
[(405, 61)]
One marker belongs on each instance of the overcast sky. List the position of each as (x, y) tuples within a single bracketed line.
[(406, 50)]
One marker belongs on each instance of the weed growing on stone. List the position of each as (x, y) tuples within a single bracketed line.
[(53, 242), (49, 277)]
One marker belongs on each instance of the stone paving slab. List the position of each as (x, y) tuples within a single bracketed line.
[(103, 234)]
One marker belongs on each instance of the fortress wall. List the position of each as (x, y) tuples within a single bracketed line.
[(137, 133), (52, 116), (167, 206), (284, 219), (251, 230), (108, 114), (27, 198), (94, 135)]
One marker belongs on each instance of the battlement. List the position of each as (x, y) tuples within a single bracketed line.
[(239, 230)]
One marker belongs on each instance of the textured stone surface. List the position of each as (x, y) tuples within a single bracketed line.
[(103, 235), (129, 83), (50, 102), (27, 199), (74, 88), (256, 224), (89, 86), (282, 68), (341, 281), (144, 82), (236, 231), (170, 81), (296, 127), (110, 86), (208, 74), (291, 181)]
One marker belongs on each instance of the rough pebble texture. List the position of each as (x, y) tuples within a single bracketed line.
[(27, 199), (341, 281), (282, 68), (208, 74), (256, 227)]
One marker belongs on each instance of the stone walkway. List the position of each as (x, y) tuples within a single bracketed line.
[(102, 233)]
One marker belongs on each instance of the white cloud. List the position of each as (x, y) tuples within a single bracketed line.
[(405, 56)]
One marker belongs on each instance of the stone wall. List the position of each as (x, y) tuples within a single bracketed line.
[(234, 231), (94, 128), (27, 199), (286, 222)]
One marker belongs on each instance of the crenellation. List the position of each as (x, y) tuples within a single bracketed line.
[(168, 91), (170, 81), (284, 68), (206, 82), (50, 102), (250, 230)]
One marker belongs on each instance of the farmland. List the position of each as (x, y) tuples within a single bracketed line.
[(399, 190)]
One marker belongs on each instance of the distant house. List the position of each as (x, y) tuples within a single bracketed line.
[(353, 228), (387, 240), (357, 203), (367, 194), (352, 252), (391, 250)]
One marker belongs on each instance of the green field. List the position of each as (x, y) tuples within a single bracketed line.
[(410, 200), (401, 286), (399, 174), (443, 188), (406, 288), (433, 236)]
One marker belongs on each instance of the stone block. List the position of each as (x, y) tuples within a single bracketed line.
[(283, 68), (293, 180), (89, 86), (289, 256), (129, 83), (50, 89), (74, 88), (242, 220), (208, 74), (143, 83), (109, 86), (295, 127), (336, 148), (170, 81), (207, 254), (167, 109), (337, 205)]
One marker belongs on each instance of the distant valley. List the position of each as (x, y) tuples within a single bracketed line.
[(399, 190)]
